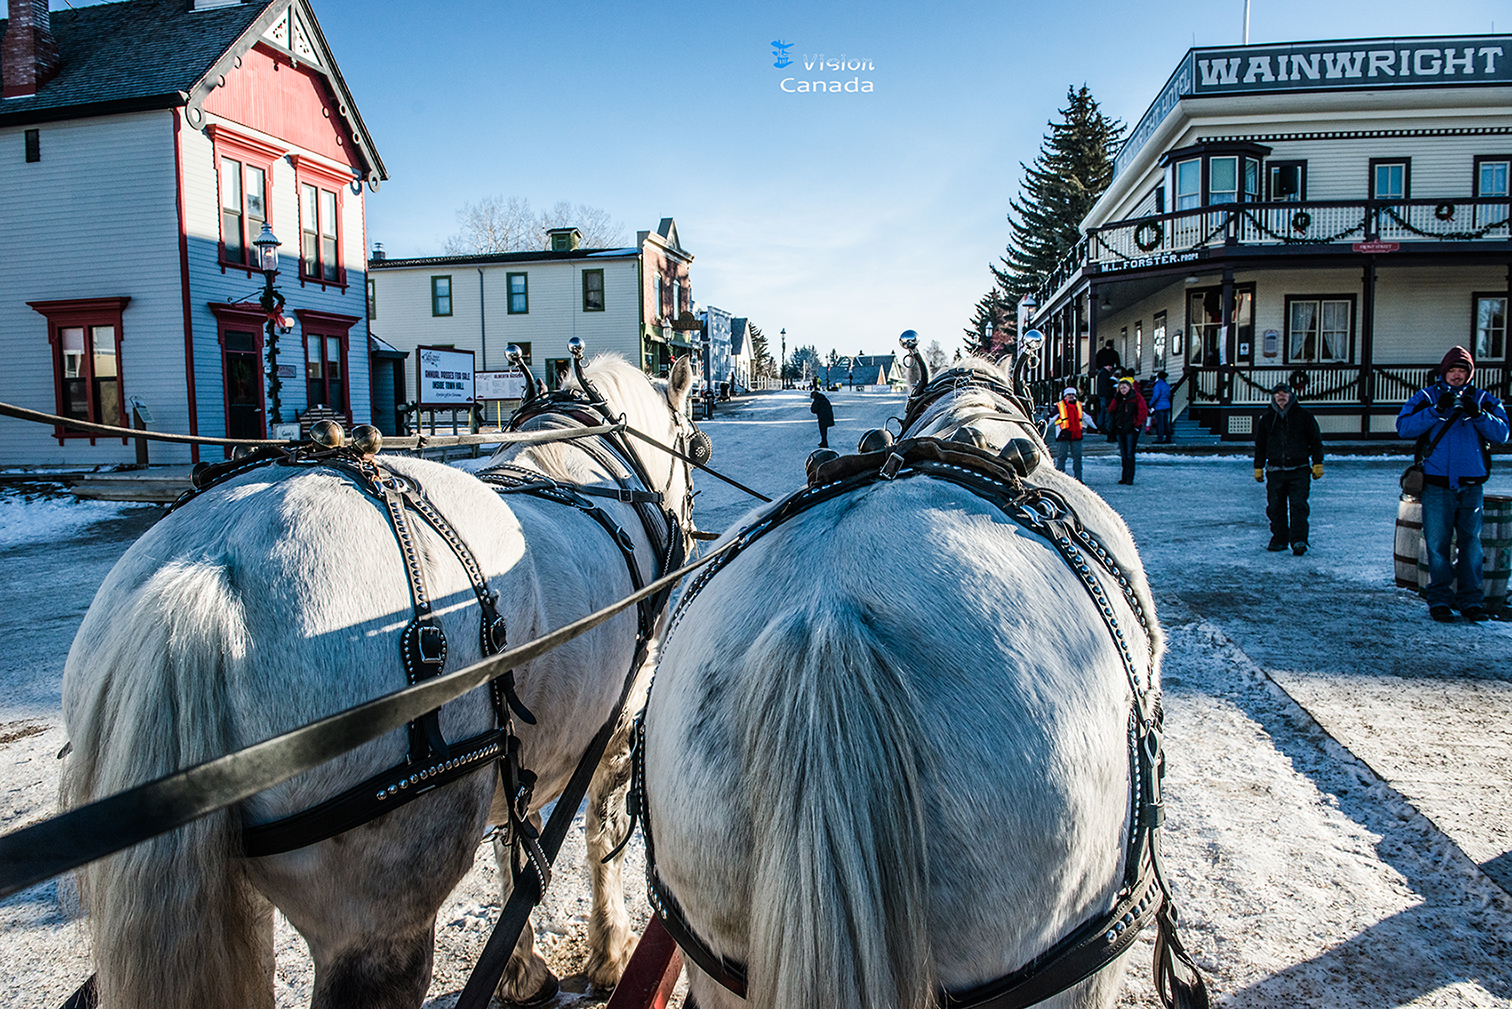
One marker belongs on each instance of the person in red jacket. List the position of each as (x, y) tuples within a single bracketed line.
[(1126, 415)]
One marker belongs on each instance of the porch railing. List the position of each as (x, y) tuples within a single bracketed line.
[(1170, 237)]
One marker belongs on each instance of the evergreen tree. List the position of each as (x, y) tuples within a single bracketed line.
[(1074, 166), (1002, 311), (763, 365)]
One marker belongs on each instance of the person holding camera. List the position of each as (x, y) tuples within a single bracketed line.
[(1460, 422)]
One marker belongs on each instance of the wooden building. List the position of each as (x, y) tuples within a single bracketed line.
[(145, 145), (1331, 214)]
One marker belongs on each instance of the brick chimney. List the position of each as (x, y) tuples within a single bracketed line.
[(28, 52)]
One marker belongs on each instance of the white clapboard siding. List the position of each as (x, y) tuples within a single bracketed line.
[(95, 218)]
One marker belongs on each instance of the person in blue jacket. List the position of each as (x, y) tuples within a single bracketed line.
[(1465, 420), (1160, 408)]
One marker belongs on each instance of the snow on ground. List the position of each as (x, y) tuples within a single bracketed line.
[(1336, 828), (38, 515)]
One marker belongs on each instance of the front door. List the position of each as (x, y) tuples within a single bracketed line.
[(243, 371)]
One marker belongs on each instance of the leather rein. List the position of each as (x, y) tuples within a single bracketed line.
[(1145, 895)]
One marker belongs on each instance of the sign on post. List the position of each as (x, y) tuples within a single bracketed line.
[(508, 384), (445, 378)]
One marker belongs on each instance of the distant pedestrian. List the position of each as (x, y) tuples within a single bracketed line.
[(1286, 440), (1126, 414), (819, 405), (1070, 421), (1107, 357), (1160, 408), (1458, 421), (1104, 388)]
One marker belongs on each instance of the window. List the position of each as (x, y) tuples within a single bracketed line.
[(372, 298), (1188, 184), (593, 290), (1390, 179), (1491, 175), (245, 175), (1137, 361), (1251, 179), (677, 305), (661, 303), (317, 234), (1490, 327), (441, 296), (524, 346), (244, 201), (33, 146), (86, 342), (1319, 330), (1287, 181), (518, 287), (1158, 343), (325, 372), (1223, 180)]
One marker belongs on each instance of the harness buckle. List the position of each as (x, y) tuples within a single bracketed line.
[(891, 466)]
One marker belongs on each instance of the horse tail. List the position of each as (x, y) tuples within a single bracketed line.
[(836, 771), (173, 921)]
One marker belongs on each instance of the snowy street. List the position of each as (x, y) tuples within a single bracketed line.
[(1337, 830)]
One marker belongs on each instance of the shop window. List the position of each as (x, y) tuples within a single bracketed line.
[(1390, 179), (1210, 344), (86, 343), (1158, 343), (1319, 330), (593, 290), (441, 298), (1287, 181), (1491, 175), (518, 287), (325, 371), (1490, 337)]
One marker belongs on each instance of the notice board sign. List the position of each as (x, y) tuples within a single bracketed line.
[(508, 384), (445, 377)]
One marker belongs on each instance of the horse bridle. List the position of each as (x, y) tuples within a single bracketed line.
[(1145, 895), (954, 380)]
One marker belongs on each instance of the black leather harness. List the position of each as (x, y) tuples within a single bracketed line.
[(1145, 895)]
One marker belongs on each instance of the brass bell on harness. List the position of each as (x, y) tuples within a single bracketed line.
[(818, 458), (970, 436), (1021, 454), (874, 440), (327, 434), (367, 439)]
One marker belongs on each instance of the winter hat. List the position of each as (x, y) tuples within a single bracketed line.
[(1458, 357), (1126, 380), (1282, 387), (1069, 390)]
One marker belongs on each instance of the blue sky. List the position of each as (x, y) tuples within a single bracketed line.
[(844, 219)]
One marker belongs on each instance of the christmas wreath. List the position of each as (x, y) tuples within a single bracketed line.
[(1301, 221), (1148, 236), (1444, 211)]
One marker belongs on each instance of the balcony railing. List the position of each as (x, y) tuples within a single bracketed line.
[(1177, 237)]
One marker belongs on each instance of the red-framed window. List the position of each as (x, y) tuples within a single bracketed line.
[(320, 209), (327, 356), (244, 181), (84, 336)]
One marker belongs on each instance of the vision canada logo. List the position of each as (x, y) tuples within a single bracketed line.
[(820, 65)]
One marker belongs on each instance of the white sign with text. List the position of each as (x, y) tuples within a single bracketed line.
[(445, 377)]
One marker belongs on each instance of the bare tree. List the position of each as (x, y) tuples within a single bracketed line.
[(495, 224), (934, 355), (508, 224), (599, 230)]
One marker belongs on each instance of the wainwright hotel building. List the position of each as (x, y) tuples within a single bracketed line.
[(1332, 214)]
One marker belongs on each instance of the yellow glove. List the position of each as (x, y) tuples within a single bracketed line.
[(1259, 476), (1317, 471)]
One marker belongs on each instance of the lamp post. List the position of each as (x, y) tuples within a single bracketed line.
[(782, 365), (272, 306)]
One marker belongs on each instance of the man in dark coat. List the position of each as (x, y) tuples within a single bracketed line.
[(1288, 458), (1107, 357), (820, 407)]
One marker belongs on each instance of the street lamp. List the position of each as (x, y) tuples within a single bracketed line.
[(272, 306), (782, 365)]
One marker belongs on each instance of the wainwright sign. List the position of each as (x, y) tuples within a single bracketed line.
[(1364, 63)]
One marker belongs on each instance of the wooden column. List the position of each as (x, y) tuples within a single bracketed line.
[(1092, 311), (1367, 344), (1228, 336)]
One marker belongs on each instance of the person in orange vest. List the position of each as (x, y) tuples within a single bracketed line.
[(1071, 422)]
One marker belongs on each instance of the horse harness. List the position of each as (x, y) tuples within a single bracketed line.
[(1145, 895)]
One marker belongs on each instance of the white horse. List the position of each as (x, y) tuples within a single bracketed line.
[(886, 751), (278, 597)]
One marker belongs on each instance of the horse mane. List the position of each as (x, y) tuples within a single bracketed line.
[(970, 399)]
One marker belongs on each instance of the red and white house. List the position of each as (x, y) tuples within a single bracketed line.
[(143, 145)]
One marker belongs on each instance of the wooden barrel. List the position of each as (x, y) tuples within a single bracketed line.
[(1409, 541), (1496, 543)]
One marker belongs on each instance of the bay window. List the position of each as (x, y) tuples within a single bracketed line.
[(1214, 173), (1188, 184)]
